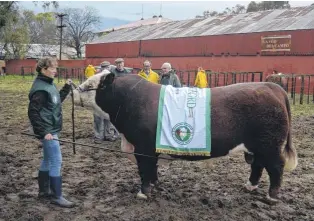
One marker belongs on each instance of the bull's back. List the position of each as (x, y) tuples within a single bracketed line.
[(243, 113)]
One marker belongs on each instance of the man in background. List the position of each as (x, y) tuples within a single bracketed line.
[(103, 128), (90, 71), (119, 70), (168, 76), (201, 78), (148, 74)]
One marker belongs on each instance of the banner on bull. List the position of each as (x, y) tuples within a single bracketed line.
[(276, 43), (184, 122)]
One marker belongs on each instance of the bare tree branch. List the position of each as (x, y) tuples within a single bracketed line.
[(81, 24)]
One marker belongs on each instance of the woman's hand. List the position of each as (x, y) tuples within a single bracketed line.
[(69, 81), (48, 137)]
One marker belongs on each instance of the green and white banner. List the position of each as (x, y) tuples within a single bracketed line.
[(184, 123)]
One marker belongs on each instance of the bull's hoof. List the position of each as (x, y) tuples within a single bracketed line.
[(250, 187), (271, 200), (141, 195)]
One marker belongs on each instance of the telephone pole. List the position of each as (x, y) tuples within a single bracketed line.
[(61, 26)]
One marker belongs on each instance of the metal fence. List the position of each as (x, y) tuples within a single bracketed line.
[(216, 79), (299, 86)]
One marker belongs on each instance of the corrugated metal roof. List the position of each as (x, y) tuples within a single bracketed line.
[(149, 21), (276, 20)]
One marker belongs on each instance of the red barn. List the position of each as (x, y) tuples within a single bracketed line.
[(258, 41)]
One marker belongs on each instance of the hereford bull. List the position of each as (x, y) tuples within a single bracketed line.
[(251, 116)]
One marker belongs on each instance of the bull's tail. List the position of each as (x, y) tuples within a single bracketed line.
[(289, 152)]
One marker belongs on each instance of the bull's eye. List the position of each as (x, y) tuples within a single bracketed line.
[(90, 86)]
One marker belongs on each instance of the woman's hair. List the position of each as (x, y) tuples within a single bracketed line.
[(45, 63)]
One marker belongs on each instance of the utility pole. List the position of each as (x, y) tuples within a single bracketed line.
[(142, 13), (61, 26)]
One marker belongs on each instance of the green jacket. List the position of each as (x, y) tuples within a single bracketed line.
[(46, 116)]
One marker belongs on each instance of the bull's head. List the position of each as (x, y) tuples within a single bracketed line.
[(85, 94)]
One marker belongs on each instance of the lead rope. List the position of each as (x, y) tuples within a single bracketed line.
[(103, 148), (73, 123)]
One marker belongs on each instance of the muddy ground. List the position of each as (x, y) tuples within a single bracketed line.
[(104, 184)]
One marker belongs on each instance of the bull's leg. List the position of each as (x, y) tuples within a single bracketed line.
[(154, 176), (146, 169), (256, 173), (274, 168)]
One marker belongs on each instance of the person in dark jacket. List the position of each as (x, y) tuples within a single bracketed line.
[(119, 70), (45, 115), (103, 128), (168, 76)]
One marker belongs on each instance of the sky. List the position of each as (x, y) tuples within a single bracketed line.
[(132, 10)]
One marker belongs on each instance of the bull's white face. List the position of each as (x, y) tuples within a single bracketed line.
[(85, 94)]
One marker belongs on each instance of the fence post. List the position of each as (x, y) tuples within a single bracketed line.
[(313, 95), (308, 90), (234, 77), (216, 77), (287, 85), (58, 72), (261, 76), (295, 82), (22, 71), (302, 90), (292, 85), (210, 80), (225, 78)]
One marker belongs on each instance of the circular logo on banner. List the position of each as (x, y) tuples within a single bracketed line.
[(182, 133)]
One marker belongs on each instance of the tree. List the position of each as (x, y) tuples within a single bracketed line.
[(7, 10), (252, 7), (267, 5), (80, 25), (15, 36), (46, 4), (42, 27), (238, 9), (10, 8), (228, 11)]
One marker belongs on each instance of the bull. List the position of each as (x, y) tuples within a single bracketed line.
[(254, 117)]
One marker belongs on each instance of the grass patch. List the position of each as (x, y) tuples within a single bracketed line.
[(19, 84)]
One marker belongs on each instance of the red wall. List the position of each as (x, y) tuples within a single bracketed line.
[(302, 42), (285, 64), (121, 49)]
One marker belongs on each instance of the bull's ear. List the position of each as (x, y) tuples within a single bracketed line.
[(109, 78), (106, 80)]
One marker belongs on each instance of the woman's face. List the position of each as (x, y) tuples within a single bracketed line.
[(50, 71)]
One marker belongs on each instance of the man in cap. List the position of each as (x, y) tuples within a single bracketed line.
[(119, 70), (103, 128), (105, 65)]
